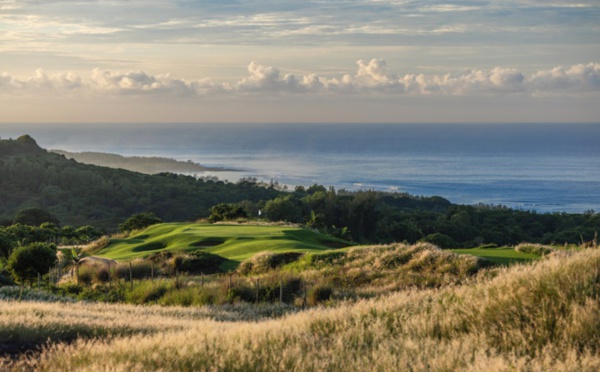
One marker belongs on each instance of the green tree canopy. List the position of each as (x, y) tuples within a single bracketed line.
[(139, 221), (34, 217), (26, 262), (226, 212)]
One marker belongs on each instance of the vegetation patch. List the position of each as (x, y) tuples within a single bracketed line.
[(151, 246), (542, 316), (501, 255), (207, 243), (234, 243)]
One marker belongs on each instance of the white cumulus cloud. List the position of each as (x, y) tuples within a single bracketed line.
[(370, 78)]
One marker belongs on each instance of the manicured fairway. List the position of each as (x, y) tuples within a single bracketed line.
[(233, 242), (503, 255)]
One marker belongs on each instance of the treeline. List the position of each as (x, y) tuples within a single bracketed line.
[(81, 194), (378, 217), (17, 235)]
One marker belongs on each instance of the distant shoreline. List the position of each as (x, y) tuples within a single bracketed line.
[(141, 164)]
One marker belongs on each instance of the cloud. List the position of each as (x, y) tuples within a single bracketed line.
[(139, 83), (41, 82), (574, 78), (370, 78)]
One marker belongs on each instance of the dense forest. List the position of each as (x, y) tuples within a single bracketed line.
[(79, 194), (82, 194)]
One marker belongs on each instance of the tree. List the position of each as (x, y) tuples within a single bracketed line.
[(26, 262), (87, 233), (6, 245), (226, 212), (284, 208), (140, 221), (34, 217)]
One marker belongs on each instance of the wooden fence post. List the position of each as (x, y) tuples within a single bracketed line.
[(257, 289), (304, 302), (280, 291), (130, 276), (108, 273)]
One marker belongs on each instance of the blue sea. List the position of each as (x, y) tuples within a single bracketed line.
[(542, 167)]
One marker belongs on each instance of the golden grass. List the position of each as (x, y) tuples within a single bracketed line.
[(544, 316)]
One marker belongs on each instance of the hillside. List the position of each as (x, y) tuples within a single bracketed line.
[(147, 165), (81, 194), (536, 317), (235, 243)]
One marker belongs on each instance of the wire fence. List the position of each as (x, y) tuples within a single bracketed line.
[(230, 287)]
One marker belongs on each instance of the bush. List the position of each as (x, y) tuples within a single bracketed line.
[(537, 249), (198, 262), (264, 261), (148, 292), (27, 262), (441, 240), (139, 221), (318, 294)]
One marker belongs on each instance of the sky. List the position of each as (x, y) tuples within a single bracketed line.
[(299, 61)]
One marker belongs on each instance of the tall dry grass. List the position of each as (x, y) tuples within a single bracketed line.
[(539, 317)]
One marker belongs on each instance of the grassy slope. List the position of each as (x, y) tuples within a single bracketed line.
[(543, 316), (503, 255), (233, 242)]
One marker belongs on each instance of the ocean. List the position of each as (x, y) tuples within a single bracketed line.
[(541, 167)]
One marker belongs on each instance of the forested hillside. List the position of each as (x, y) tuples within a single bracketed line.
[(80, 194)]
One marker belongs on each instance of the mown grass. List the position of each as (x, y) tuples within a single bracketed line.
[(500, 255), (538, 317), (235, 243)]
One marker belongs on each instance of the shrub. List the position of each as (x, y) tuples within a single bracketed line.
[(264, 261), (147, 292), (537, 249), (27, 262), (319, 293), (199, 262), (139, 221), (441, 240)]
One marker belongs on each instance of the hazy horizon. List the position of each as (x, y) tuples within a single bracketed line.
[(286, 61)]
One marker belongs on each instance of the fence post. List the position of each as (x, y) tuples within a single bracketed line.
[(257, 288), (109, 276), (130, 276), (304, 302), (39, 279)]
